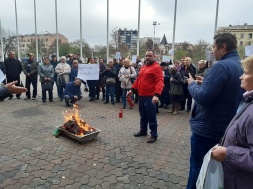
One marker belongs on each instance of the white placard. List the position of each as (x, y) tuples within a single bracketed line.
[(249, 50), (166, 58), (88, 71), (134, 57), (2, 76), (117, 55)]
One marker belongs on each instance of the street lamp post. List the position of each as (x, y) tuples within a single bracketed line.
[(154, 24)]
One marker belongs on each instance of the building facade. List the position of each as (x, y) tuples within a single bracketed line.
[(243, 33), (157, 40), (129, 37), (44, 41)]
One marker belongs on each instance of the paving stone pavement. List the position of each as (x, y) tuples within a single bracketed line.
[(31, 157)]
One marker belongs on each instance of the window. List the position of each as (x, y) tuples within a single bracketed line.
[(249, 43), (241, 43), (250, 35), (242, 35), (28, 40), (46, 39)]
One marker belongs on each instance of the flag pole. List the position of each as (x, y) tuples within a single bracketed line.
[(107, 51), (174, 29), (138, 37), (36, 35), (57, 39), (16, 16), (216, 17), (81, 37), (2, 44)]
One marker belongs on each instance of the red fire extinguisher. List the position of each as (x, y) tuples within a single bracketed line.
[(130, 102), (120, 113)]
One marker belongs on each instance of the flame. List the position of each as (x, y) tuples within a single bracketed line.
[(74, 114)]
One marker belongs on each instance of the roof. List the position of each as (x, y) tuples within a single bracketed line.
[(236, 27), (164, 40)]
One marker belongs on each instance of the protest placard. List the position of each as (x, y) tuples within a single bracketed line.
[(166, 58), (2, 76), (88, 71), (134, 57), (249, 50), (117, 55)]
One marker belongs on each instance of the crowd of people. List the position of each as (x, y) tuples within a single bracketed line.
[(115, 79), (223, 103)]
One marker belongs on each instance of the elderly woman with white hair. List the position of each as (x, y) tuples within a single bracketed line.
[(236, 150), (126, 75), (62, 70)]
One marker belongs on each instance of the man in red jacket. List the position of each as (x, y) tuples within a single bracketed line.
[(149, 85)]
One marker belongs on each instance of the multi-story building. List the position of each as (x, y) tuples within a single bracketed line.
[(129, 37), (243, 33), (45, 40), (145, 39)]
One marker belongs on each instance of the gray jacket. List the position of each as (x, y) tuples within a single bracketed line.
[(33, 69), (46, 71)]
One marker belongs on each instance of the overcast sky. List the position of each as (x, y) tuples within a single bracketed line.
[(195, 18)]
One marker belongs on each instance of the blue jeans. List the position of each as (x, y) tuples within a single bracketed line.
[(110, 89), (71, 100), (199, 147), (147, 112), (61, 89)]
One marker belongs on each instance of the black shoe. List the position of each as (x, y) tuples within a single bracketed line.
[(18, 97), (106, 102), (135, 102), (10, 98), (152, 139), (51, 101), (166, 107), (140, 133), (43, 101), (181, 109), (91, 100), (117, 101), (123, 107), (61, 99), (188, 111), (113, 103)]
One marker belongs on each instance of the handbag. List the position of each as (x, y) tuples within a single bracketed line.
[(176, 89), (47, 86), (131, 79), (110, 81), (61, 81)]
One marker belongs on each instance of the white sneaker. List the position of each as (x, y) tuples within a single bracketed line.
[(33, 98)]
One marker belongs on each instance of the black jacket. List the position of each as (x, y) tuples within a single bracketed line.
[(110, 73), (13, 68)]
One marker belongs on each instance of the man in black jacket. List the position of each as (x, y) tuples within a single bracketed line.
[(30, 69), (13, 70)]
